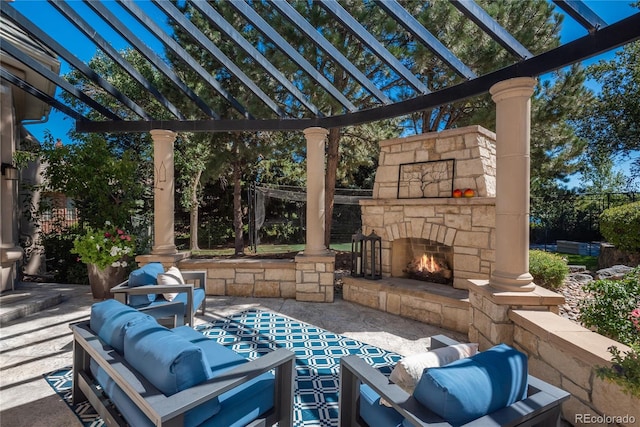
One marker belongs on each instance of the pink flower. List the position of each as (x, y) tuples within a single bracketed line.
[(635, 317), (119, 231), (107, 234)]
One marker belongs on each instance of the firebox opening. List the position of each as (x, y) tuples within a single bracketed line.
[(422, 259)]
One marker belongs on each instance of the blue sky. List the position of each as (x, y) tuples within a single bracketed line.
[(45, 16)]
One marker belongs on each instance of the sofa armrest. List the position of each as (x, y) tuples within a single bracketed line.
[(439, 341), (161, 409), (199, 276), (353, 371), (543, 402)]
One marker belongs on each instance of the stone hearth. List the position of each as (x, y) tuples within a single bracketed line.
[(465, 225)]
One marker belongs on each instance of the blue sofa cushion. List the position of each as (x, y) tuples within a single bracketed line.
[(234, 408), (218, 357), (170, 362), (243, 404), (145, 275), (375, 414), (471, 388), (110, 320)]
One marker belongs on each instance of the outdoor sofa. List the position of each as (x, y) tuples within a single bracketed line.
[(136, 372), (447, 400), (170, 297)]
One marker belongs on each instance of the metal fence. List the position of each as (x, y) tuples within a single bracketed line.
[(574, 217), (58, 220)]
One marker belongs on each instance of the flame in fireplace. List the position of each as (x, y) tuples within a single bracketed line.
[(427, 263)]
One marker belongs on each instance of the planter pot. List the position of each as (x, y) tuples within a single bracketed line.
[(102, 281)]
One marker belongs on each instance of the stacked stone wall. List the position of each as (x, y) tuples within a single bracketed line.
[(314, 278), (567, 355), (437, 305), (247, 278), (472, 147)]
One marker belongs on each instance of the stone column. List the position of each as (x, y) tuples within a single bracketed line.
[(316, 265), (316, 138), (163, 192), (513, 132)]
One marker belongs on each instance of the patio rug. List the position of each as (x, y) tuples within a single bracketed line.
[(254, 332)]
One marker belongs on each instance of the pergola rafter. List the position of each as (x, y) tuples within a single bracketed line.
[(371, 100)]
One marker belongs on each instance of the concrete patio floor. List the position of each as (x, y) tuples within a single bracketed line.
[(35, 339)]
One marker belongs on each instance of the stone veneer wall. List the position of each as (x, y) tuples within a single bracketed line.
[(438, 305), (315, 277), (566, 355), (270, 278), (473, 148), (307, 278), (466, 224)]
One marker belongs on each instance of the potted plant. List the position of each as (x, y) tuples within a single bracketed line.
[(106, 252)]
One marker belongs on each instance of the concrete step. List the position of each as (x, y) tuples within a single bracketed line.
[(27, 299)]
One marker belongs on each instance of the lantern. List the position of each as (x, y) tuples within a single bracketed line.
[(356, 254), (372, 256)]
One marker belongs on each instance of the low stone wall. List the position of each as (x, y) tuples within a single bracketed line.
[(566, 355), (266, 278), (438, 305)]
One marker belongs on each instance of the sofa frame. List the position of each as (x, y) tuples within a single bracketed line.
[(168, 411), (541, 407), (170, 309)]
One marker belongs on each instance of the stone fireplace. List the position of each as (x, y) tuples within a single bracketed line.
[(414, 212)]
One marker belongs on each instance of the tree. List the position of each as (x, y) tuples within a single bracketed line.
[(102, 184), (611, 121)]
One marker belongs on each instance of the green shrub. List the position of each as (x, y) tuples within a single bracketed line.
[(548, 270), (609, 310), (625, 369), (614, 311), (620, 226), (65, 266)]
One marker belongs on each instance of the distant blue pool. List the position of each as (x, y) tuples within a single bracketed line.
[(586, 248)]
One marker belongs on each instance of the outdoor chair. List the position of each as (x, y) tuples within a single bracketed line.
[(135, 372), (168, 293), (534, 402)]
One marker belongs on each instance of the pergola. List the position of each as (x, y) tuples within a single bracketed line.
[(289, 108)]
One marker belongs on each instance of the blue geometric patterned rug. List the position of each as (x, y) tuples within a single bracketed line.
[(253, 333)]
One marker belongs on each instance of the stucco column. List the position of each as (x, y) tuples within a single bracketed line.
[(163, 192), (513, 134), (316, 137)]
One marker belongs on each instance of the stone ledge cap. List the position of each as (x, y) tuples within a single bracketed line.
[(328, 257), (240, 262), (566, 335), (537, 297), (163, 258)]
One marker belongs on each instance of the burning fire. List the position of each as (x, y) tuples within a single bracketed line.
[(427, 263)]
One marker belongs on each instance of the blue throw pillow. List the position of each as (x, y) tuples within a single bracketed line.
[(110, 320), (479, 385), (170, 362), (145, 275)]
